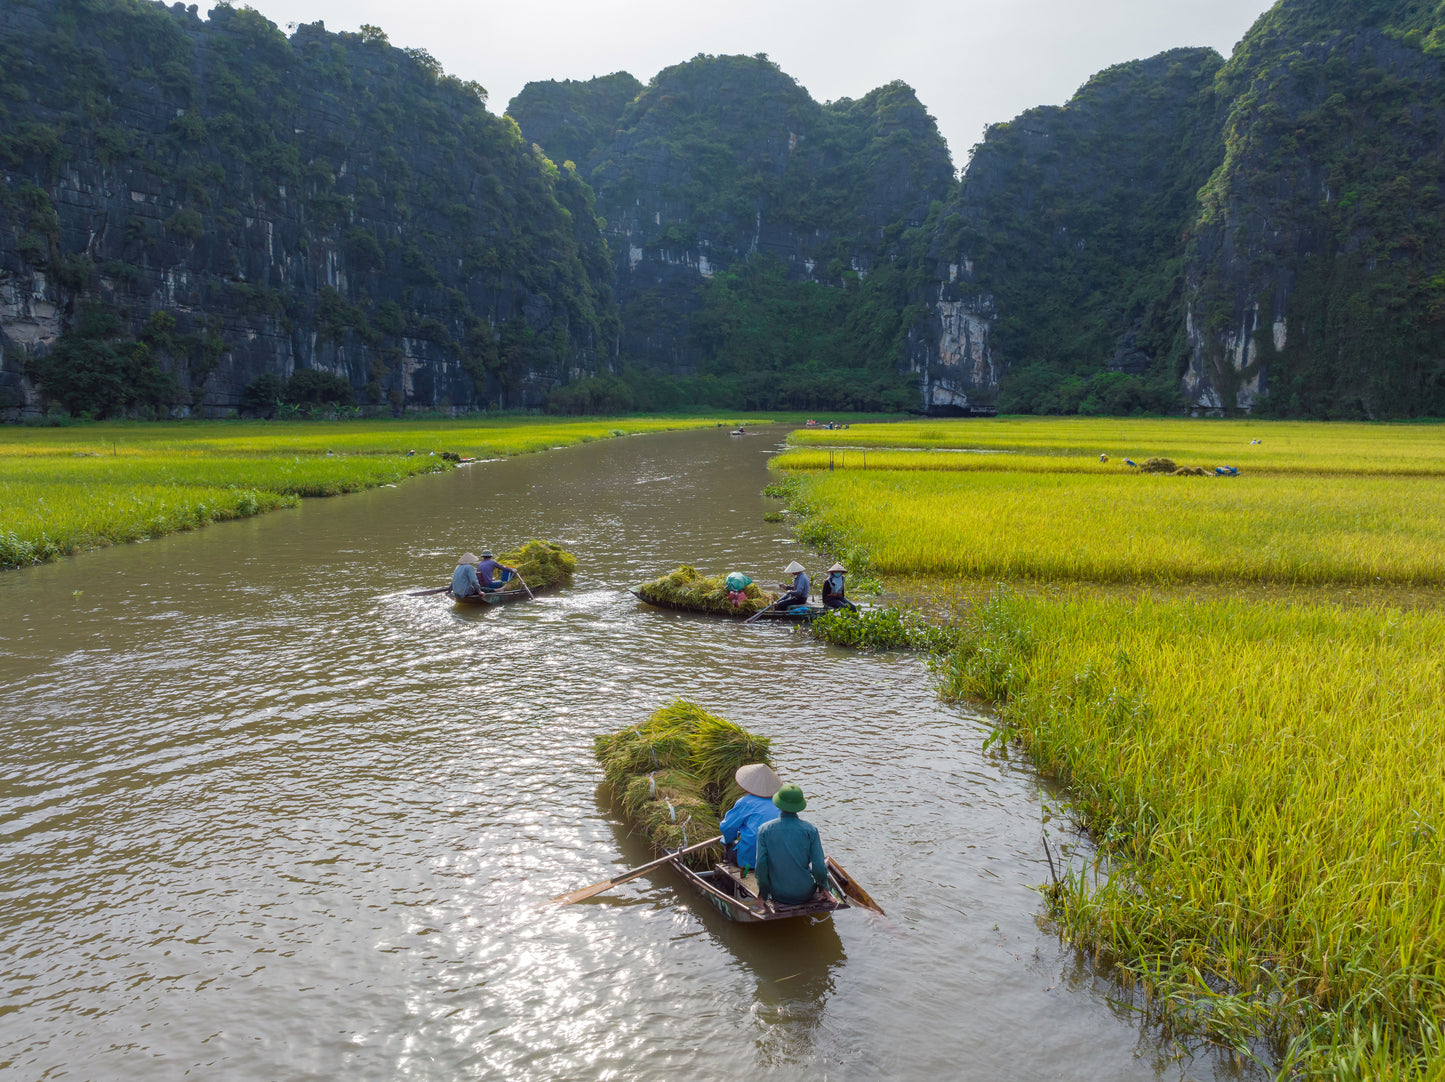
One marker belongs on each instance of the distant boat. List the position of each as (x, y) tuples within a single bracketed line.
[(796, 614)]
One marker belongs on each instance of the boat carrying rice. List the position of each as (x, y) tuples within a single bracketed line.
[(674, 774), (733, 595)]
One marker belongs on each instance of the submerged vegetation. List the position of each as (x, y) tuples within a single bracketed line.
[(72, 488), (1261, 778), (673, 774)]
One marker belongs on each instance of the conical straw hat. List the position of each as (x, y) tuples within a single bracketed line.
[(837, 567), (467, 558), (793, 568), (759, 779)]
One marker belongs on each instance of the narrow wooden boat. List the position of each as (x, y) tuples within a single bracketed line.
[(729, 894), (793, 615), (496, 597)]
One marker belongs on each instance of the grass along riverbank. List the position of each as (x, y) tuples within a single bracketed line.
[(66, 489), (1262, 777)]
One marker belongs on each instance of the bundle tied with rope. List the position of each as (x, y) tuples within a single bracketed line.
[(685, 588), (540, 564), (673, 774)]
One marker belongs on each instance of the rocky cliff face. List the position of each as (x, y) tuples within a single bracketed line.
[(1314, 283), (723, 160), (241, 204)]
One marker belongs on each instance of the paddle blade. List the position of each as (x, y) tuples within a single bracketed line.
[(852, 890)]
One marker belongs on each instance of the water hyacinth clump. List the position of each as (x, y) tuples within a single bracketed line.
[(889, 628), (686, 589), (541, 564), (673, 774)]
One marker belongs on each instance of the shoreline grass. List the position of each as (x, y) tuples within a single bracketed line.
[(1239, 686), (67, 489)]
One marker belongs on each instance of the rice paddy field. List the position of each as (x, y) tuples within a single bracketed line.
[(1263, 778), (67, 489)]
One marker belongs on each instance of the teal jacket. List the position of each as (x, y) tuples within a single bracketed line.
[(790, 860)]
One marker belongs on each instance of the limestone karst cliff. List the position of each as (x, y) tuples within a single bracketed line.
[(190, 205)]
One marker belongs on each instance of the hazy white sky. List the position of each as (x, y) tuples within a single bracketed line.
[(972, 62)]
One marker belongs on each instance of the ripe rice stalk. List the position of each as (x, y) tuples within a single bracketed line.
[(685, 588), (673, 773), (541, 564)]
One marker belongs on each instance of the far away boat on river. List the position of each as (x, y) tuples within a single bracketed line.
[(734, 596)]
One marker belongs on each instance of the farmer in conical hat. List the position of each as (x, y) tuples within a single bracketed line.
[(833, 590), (797, 593), (791, 867), (754, 808), (489, 566), (464, 578)]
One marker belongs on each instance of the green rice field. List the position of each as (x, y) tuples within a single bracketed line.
[(1264, 779), (67, 489)]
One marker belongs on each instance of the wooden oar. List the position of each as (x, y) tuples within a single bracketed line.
[(526, 587), (608, 884), (755, 615), (851, 888), (424, 593)]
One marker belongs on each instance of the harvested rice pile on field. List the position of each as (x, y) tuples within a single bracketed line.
[(673, 774), (541, 564), (686, 589)]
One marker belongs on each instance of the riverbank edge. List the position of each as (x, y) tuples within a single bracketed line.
[(236, 500), (1272, 1011)]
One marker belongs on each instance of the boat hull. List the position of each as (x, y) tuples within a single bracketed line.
[(790, 616), (719, 891), (496, 597)]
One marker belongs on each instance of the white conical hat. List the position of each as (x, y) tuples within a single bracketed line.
[(759, 779), (837, 567), (793, 568), (467, 558)]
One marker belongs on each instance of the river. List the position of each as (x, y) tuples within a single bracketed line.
[(266, 817)]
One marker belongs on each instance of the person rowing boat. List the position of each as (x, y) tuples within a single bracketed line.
[(792, 869), (833, 590), (464, 579), (488, 567), (754, 808), (797, 593)]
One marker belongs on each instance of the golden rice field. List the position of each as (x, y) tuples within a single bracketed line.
[(1265, 780), (66, 489), (1283, 447)]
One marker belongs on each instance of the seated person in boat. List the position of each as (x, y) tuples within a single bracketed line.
[(753, 809), (489, 567), (833, 590), (797, 593), (791, 867), (464, 578)]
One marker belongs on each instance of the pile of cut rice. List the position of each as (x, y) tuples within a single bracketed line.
[(673, 774), (541, 565), (686, 589)]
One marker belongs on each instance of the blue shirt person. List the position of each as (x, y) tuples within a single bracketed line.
[(791, 864), (464, 578), (833, 589), (489, 566), (798, 594), (753, 809)]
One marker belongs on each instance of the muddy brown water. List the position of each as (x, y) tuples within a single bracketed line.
[(264, 817)]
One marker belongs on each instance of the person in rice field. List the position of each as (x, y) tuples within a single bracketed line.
[(754, 808), (791, 866), (833, 590), (464, 579), (797, 593), (488, 567)]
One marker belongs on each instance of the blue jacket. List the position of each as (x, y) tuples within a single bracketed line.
[(790, 860), (464, 581), (800, 589), (741, 826)]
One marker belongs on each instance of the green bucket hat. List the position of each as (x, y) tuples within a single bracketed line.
[(790, 798)]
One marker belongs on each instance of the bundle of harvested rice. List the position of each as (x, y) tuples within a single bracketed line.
[(673, 774), (1159, 465), (541, 565), (1191, 471), (686, 589)]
